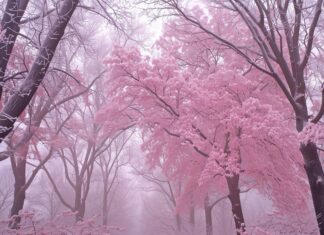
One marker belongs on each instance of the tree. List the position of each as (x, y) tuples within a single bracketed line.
[(172, 99), (10, 28), (18, 101), (17, 61), (284, 33), (44, 47), (25, 141), (79, 145), (110, 164)]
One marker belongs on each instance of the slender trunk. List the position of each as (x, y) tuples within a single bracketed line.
[(208, 217), (192, 219), (105, 208), (234, 197), (315, 176), (78, 205), (19, 193), (179, 223)]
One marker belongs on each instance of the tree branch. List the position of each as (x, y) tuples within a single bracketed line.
[(321, 111)]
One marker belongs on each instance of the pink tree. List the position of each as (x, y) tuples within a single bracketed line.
[(282, 40), (173, 99)]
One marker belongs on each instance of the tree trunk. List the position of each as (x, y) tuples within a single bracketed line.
[(315, 176), (192, 219), (105, 207), (234, 197), (208, 217), (179, 223), (22, 96), (19, 193), (10, 25), (78, 205), (312, 165), (80, 211)]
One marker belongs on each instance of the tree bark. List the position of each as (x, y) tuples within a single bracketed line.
[(315, 176), (19, 193), (10, 25), (312, 164), (234, 197), (80, 212), (192, 219), (208, 217), (179, 222), (21, 98), (105, 207), (78, 205)]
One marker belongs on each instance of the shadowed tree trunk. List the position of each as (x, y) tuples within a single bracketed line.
[(105, 207), (312, 163), (208, 216), (14, 11), (179, 222), (79, 208), (21, 98), (192, 219), (19, 171), (234, 197), (315, 176)]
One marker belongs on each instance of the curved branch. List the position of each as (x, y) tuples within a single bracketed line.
[(321, 111), (313, 26)]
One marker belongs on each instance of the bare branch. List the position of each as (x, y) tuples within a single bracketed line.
[(321, 111)]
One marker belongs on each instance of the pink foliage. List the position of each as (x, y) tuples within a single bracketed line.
[(205, 114)]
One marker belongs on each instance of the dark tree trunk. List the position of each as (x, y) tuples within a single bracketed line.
[(105, 207), (19, 193), (10, 25), (192, 219), (78, 205), (315, 176), (179, 222), (21, 98), (208, 217), (234, 197), (312, 165), (80, 213)]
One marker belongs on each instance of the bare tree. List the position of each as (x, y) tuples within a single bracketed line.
[(110, 163), (87, 144)]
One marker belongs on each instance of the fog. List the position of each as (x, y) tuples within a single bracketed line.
[(161, 117)]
